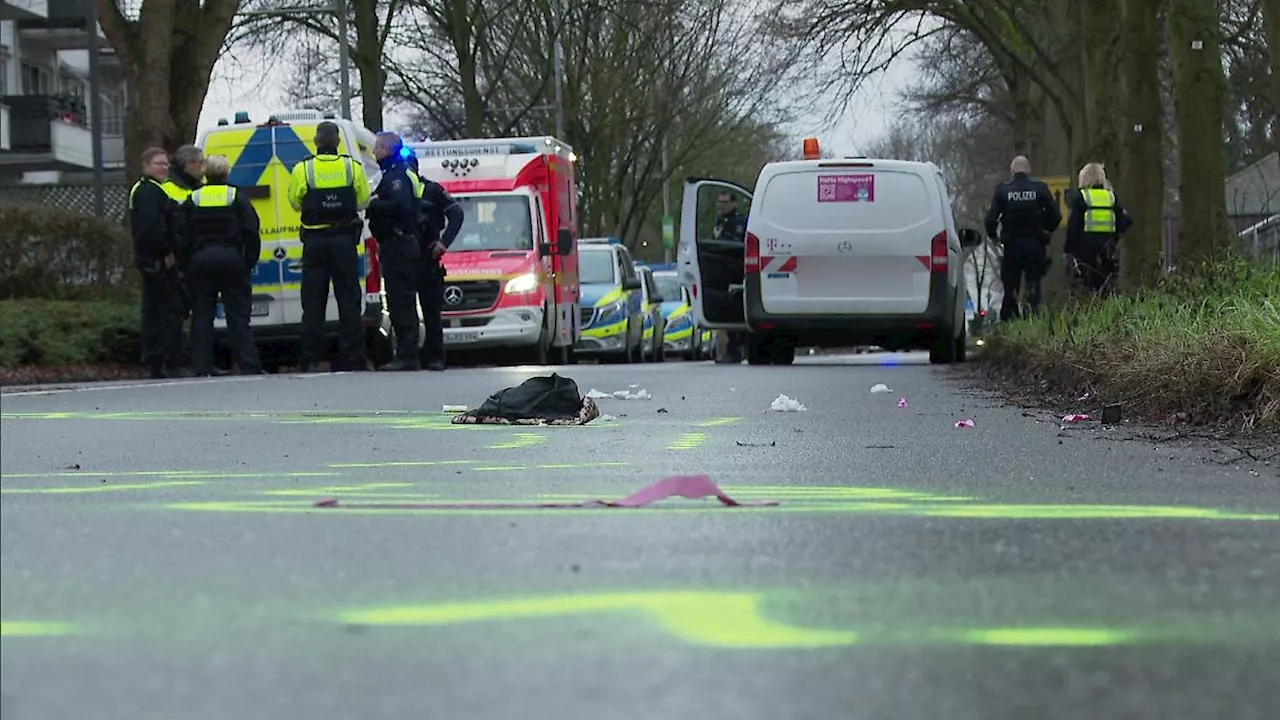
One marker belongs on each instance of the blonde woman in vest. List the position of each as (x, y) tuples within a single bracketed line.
[(1096, 222)]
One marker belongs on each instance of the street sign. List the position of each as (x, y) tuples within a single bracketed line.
[(668, 232)]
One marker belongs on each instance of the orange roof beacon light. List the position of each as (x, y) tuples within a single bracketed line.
[(811, 149)]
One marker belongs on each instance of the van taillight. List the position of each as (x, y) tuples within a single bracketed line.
[(751, 261), (373, 279), (938, 261)]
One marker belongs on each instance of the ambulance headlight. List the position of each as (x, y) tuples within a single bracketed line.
[(521, 284)]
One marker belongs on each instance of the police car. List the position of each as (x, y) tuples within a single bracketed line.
[(612, 301)]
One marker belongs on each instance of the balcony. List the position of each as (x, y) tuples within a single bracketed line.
[(48, 132), (24, 9), (63, 27)]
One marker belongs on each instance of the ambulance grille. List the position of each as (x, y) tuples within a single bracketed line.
[(475, 295)]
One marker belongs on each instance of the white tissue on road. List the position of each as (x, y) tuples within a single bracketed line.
[(640, 394), (880, 388), (782, 403), (455, 408), (608, 418)]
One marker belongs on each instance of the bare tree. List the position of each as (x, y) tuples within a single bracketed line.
[(168, 49)]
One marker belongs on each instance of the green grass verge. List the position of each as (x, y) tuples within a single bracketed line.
[(64, 332), (1204, 349)]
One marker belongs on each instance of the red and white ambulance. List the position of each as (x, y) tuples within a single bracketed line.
[(511, 282)]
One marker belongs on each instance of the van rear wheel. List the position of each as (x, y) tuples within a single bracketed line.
[(943, 349)]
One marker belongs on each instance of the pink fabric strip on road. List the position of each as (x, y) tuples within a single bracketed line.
[(693, 487)]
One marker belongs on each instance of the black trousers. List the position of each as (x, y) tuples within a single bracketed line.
[(401, 256), (1024, 258), (330, 256), (1097, 264), (431, 297), (218, 270), (163, 310)]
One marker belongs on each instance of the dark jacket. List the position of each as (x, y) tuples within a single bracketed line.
[(1083, 244), (245, 234), (442, 214), (1024, 209), (151, 222), (731, 226), (396, 209)]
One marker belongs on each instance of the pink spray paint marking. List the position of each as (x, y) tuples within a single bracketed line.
[(847, 188), (964, 423), (693, 487), (1074, 417), (902, 402)]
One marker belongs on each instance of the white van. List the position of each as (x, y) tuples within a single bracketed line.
[(838, 253)]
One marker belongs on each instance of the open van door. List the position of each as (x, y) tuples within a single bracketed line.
[(712, 268)]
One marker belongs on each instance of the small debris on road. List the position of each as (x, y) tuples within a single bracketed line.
[(1074, 417), (782, 403), (880, 388), (747, 444), (964, 423), (902, 403)]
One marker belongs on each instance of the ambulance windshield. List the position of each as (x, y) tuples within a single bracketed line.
[(495, 222)]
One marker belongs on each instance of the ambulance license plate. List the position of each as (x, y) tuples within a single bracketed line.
[(458, 338)]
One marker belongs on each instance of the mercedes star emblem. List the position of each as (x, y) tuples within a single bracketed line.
[(453, 295), (279, 253), (845, 246)]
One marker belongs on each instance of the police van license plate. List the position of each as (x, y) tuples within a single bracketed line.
[(259, 308), (457, 338)]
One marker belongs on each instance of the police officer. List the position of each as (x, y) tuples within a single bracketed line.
[(394, 219), (185, 173), (1027, 213), (442, 218), (151, 222), (730, 225), (1096, 223), (217, 237), (330, 190)]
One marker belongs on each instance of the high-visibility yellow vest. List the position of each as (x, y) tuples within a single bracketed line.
[(1099, 214), (176, 192), (213, 220)]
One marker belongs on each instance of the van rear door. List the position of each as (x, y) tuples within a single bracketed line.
[(846, 237), (711, 269)]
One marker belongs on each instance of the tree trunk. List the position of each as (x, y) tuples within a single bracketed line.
[(367, 58), (1199, 90), (1271, 16), (167, 79), (1139, 185), (1100, 58)]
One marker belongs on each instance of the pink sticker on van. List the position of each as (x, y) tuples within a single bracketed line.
[(847, 188)]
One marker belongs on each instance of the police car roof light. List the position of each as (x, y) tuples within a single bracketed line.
[(242, 116), (811, 150)]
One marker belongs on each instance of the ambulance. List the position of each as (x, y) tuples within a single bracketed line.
[(262, 157), (511, 275)]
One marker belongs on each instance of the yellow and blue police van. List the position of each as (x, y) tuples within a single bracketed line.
[(262, 157), (612, 299), (682, 336)]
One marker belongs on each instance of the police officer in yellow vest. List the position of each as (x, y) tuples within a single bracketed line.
[(218, 240), (151, 214), (185, 173), (330, 190), (1094, 226)]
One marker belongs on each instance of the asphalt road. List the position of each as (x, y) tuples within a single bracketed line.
[(161, 556)]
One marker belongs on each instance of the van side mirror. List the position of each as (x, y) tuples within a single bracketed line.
[(970, 238), (631, 284), (564, 242), (658, 299)]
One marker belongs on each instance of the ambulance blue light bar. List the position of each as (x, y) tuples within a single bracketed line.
[(600, 241)]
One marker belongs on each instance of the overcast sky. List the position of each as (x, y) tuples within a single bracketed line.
[(868, 117)]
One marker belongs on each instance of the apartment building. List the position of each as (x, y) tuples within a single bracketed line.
[(45, 115)]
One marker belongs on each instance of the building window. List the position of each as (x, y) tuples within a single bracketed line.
[(35, 80), (4, 70)]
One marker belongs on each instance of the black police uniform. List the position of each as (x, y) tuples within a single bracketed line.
[(732, 226), (330, 236), (1027, 213), (1095, 252), (393, 219), (217, 232), (442, 218), (151, 221)]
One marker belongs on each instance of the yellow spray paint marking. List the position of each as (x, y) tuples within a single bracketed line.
[(717, 422), (98, 488), (1050, 636), (709, 619), (522, 440), (421, 463), (369, 489), (549, 466), (203, 474), (36, 628), (688, 441), (1090, 512)]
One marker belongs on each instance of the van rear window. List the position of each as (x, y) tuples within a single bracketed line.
[(896, 200)]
